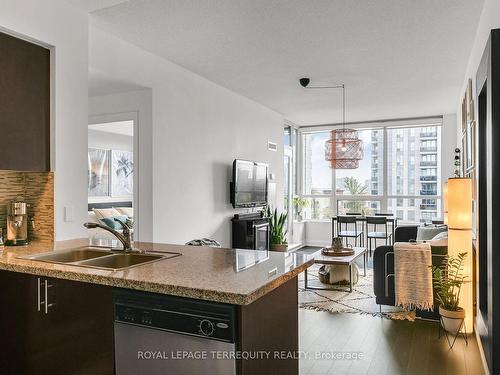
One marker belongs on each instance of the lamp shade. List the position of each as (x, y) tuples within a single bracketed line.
[(344, 149), (459, 203)]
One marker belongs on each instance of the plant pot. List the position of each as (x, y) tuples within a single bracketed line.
[(279, 247), (452, 320)]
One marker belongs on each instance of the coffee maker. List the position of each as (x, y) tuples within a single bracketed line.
[(17, 223)]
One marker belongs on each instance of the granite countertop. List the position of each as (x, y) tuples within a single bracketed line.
[(231, 276)]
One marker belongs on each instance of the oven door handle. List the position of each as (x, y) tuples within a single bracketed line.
[(259, 226)]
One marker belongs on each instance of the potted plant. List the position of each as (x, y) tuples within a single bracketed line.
[(277, 230), (299, 204), (447, 281)]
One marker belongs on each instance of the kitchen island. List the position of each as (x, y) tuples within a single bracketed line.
[(259, 286)]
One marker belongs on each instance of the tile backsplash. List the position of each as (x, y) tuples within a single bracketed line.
[(37, 189)]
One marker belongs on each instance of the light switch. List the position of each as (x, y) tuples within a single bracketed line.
[(68, 214)]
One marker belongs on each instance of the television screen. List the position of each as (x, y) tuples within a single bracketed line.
[(250, 184)]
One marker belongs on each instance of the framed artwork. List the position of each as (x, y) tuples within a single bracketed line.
[(468, 131), (464, 114), (470, 147), (470, 101), (472, 138), (98, 172), (122, 173), (463, 155)]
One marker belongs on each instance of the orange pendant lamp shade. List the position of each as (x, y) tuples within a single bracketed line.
[(344, 149)]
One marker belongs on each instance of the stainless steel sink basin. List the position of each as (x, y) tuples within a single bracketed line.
[(95, 257), (120, 261), (71, 256)]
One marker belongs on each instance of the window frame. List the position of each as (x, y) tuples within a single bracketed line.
[(384, 197)]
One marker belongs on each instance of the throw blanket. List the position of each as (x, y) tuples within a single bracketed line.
[(412, 275)]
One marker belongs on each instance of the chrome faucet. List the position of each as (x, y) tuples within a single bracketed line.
[(125, 237)]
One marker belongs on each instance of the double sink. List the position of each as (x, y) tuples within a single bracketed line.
[(95, 257)]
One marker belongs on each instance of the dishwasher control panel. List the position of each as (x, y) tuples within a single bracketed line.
[(189, 317)]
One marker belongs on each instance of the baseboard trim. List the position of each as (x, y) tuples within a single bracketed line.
[(317, 243), (295, 246)]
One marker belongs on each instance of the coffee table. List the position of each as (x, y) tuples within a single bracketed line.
[(343, 261)]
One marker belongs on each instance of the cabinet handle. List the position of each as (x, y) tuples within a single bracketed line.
[(47, 304), (39, 302)]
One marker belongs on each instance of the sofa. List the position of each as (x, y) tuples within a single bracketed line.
[(99, 234), (383, 269)]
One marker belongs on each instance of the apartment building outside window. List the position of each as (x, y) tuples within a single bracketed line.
[(400, 173)]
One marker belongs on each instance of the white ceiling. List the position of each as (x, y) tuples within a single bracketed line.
[(397, 58), (116, 127)]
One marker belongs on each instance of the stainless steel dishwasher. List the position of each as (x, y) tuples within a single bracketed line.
[(156, 334)]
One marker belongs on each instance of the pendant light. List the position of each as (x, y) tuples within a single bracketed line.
[(344, 149)]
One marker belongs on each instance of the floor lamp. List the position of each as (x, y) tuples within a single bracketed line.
[(459, 206)]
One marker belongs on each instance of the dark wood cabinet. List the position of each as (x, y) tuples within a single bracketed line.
[(54, 326), (250, 232), (271, 325), (24, 105)]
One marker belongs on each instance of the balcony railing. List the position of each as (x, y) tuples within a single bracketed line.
[(428, 135), (428, 178), (428, 207), (428, 192), (425, 163), (428, 149)]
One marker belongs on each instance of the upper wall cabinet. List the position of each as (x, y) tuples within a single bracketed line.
[(24, 105)]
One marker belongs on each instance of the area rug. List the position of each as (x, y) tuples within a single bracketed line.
[(360, 301)]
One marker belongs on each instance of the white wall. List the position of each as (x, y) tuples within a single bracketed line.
[(112, 107), (198, 129), (490, 19), (318, 233), (299, 233), (110, 141), (64, 27), (448, 145)]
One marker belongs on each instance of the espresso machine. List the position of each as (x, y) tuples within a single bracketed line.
[(17, 223)]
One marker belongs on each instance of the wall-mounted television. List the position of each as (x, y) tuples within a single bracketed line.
[(249, 186)]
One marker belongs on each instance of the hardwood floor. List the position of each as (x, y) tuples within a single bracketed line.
[(386, 346)]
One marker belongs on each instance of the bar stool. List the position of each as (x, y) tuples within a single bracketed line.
[(374, 234), (346, 232)]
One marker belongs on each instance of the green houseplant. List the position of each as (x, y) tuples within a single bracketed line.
[(277, 230), (299, 204), (447, 281)]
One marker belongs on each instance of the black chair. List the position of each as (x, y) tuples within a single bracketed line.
[(350, 229), (375, 234), (353, 213)]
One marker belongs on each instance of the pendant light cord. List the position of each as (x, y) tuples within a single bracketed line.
[(342, 86), (343, 106)]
